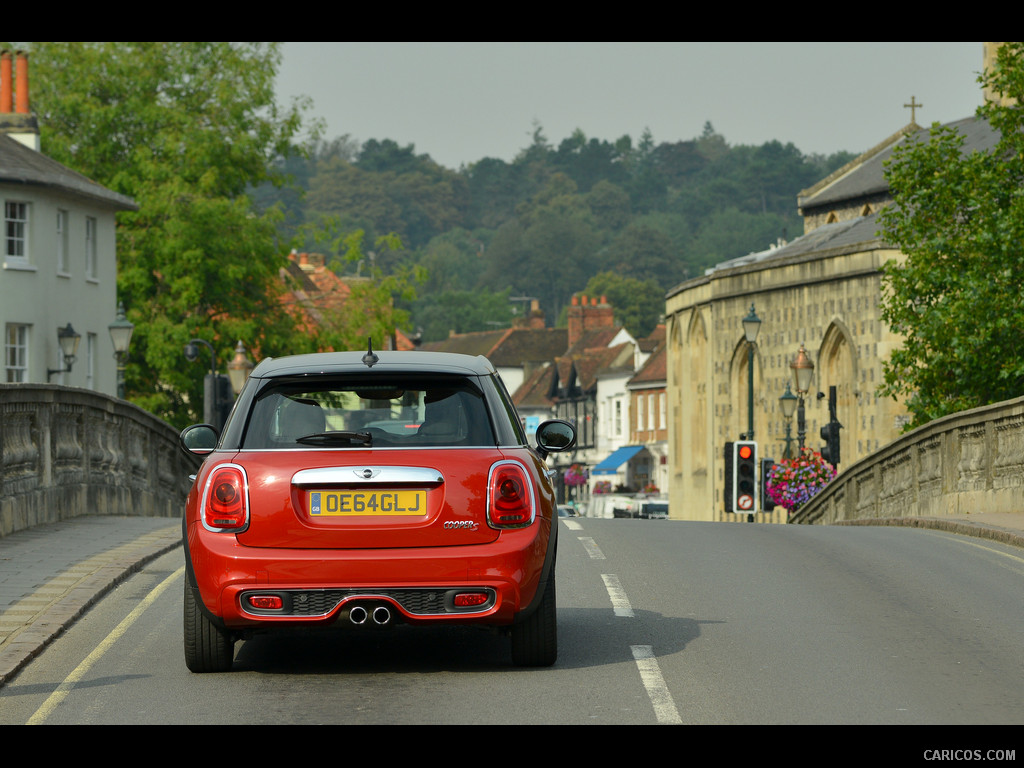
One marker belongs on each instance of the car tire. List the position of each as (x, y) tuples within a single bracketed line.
[(535, 640), (207, 647)]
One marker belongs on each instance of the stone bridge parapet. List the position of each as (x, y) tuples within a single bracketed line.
[(67, 452), (966, 463)]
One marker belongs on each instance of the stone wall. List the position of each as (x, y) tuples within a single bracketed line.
[(67, 452), (965, 463), (827, 300)]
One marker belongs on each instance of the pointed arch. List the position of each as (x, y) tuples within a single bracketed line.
[(698, 387), (837, 362), (739, 387)]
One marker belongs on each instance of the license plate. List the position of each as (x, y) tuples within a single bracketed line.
[(328, 503)]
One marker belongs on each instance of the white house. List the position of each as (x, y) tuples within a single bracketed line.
[(59, 265)]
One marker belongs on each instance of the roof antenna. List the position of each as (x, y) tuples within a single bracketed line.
[(370, 359)]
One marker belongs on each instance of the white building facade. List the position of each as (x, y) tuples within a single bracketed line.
[(58, 261)]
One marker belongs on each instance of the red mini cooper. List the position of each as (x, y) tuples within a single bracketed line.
[(370, 489)]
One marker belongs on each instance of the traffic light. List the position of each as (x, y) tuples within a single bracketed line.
[(830, 434), (744, 476)]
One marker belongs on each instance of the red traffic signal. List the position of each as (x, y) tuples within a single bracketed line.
[(744, 477)]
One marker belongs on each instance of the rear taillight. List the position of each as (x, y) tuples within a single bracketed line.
[(510, 502), (226, 500)]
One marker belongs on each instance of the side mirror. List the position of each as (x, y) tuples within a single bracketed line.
[(198, 440), (555, 435)]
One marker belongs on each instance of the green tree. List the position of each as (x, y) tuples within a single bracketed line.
[(959, 221), (638, 305), (462, 312), (185, 129)]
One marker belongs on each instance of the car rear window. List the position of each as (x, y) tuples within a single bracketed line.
[(374, 413)]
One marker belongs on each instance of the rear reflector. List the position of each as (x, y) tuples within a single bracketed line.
[(470, 599), (265, 602)]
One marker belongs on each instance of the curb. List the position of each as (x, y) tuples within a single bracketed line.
[(964, 528), (30, 641)]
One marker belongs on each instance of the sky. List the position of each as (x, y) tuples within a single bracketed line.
[(462, 102)]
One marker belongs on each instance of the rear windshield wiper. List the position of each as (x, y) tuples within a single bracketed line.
[(324, 438)]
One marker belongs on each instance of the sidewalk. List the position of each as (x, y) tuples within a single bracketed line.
[(50, 575)]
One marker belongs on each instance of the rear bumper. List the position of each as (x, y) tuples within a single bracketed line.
[(418, 584)]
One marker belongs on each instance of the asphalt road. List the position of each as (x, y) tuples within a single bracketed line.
[(660, 622)]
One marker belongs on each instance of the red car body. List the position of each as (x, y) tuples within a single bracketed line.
[(371, 490)]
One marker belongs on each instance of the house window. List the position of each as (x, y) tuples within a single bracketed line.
[(618, 418), (63, 267), (639, 412), (662, 410), (16, 352), (90, 248), (650, 412), (16, 232)]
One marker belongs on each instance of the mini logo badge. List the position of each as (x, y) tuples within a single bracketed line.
[(367, 473)]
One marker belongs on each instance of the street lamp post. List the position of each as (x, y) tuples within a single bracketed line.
[(803, 373), (239, 368), (751, 326), (121, 335), (211, 407), (787, 404)]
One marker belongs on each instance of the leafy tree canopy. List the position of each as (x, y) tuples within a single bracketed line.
[(959, 221), (186, 129)]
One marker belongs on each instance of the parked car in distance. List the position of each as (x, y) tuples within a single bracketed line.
[(564, 510), (653, 510), (648, 509), (369, 489)]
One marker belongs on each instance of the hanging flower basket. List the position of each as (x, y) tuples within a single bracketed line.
[(794, 482), (575, 475), (603, 486)]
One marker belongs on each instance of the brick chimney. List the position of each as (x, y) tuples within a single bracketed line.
[(586, 315), (19, 124)]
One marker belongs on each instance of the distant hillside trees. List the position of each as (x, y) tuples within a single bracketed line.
[(546, 222)]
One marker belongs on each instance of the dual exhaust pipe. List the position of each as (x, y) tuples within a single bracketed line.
[(380, 615)]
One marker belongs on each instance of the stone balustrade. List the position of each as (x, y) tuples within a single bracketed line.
[(66, 452), (964, 463)]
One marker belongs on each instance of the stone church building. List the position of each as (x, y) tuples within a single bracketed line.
[(821, 291)]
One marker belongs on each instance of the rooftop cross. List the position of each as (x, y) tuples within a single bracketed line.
[(913, 109)]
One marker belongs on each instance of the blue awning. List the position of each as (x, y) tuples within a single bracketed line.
[(611, 465)]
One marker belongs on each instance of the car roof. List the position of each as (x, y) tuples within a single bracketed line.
[(387, 361)]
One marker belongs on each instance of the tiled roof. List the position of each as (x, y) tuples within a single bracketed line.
[(597, 338), (508, 347), (21, 165), (865, 176), (650, 343), (476, 343), (533, 392), (529, 345), (654, 371), (594, 361)]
